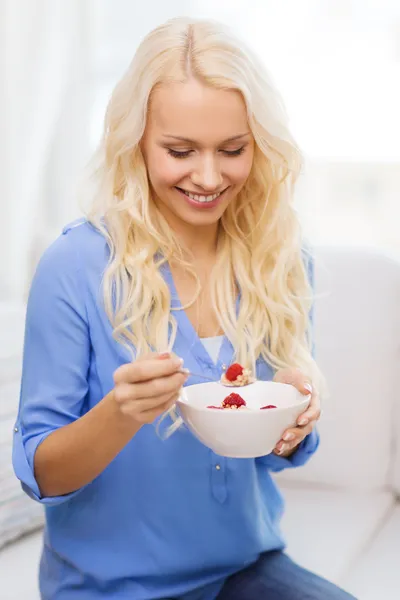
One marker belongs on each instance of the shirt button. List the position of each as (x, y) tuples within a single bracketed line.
[(16, 429), (218, 467)]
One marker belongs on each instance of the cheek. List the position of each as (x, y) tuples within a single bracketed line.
[(164, 170), (240, 170)]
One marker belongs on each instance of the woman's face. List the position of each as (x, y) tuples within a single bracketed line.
[(198, 150)]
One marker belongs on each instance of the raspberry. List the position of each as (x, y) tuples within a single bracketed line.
[(233, 372), (268, 406), (217, 407), (233, 400)]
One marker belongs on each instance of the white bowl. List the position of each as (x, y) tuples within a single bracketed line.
[(243, 433)]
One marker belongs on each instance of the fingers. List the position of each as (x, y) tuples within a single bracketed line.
[(309, 416), (149, 415), (149, 386), (296, 378), (148, 368), (313, 411), (306, 422), (292, 438), (156, 390), (283, 446)]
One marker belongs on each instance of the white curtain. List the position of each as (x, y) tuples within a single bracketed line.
[(42, 62), (43, 108)]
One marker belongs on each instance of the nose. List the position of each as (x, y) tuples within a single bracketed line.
[(208, 174)]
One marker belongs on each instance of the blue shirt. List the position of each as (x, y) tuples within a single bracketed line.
[(167, 518)]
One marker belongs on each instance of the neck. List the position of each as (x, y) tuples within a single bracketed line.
[(200, 242)]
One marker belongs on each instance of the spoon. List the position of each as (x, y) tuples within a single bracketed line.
[(187, 372)]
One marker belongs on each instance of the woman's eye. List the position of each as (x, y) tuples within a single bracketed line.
[(234, 152), (186, 153), (177, 154)]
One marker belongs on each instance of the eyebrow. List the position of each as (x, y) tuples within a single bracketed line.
[(185, 139)]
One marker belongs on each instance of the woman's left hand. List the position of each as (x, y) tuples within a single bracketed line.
[(291, 438)]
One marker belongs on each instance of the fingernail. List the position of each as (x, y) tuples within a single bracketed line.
[(185, 371), (288, 436), (282, 449), (303, 421), (178, 362), (164, 355), (308, 387)]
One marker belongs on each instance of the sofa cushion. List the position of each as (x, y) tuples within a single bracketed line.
[(376, 574), (21, 557), (327, 529), (357, 336)]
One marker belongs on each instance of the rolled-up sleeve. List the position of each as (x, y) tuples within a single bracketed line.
[(300, 456), (56, 359)]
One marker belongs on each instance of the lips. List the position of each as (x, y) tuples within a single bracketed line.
[(201, 198)]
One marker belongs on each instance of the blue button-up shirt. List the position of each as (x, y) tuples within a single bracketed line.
[(167, 518)]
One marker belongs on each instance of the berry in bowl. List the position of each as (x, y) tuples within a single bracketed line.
[(244, 425)]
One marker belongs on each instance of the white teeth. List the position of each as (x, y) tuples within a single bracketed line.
[(202, 198)]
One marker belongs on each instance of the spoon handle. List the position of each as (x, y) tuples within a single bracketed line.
[(200, 375)]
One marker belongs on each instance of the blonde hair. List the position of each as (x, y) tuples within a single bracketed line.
[(260, 244)]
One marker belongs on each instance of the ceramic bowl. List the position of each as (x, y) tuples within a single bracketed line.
[(247, 432)]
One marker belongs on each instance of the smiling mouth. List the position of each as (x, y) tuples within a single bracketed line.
[(201, 198)]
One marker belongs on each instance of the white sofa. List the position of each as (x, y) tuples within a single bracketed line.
[(343, 518)]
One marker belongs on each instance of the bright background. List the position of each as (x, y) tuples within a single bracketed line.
[(336, 62)]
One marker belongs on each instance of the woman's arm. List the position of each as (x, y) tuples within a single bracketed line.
[(73, 455), (59, 445)]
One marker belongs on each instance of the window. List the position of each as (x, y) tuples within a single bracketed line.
[(337, 65)]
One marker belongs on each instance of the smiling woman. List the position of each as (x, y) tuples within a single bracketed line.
[(213, 162), (192, 235), (194, 177)]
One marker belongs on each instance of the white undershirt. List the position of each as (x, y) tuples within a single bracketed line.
[(213, 346)]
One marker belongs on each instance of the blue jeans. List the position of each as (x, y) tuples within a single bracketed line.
[(276, 577)]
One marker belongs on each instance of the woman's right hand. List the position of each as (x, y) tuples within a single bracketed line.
[(147, 387)]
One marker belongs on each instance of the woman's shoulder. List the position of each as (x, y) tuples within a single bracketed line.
[(79, 241), (81, 244), (83, 236)]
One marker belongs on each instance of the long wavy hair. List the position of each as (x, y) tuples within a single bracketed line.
[(260, 242)]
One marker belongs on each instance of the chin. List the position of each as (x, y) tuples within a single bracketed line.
[(201, 220)]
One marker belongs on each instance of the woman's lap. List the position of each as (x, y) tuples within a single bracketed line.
[(276, 577)]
